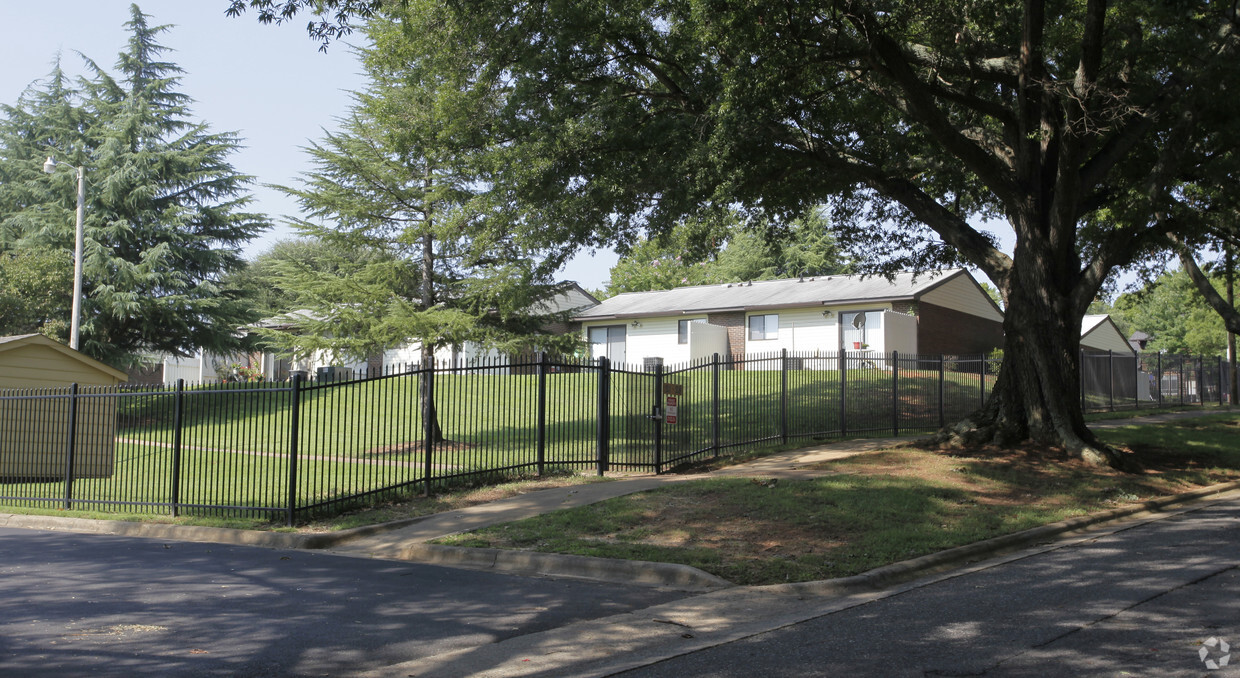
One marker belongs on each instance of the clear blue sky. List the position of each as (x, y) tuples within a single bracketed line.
[(269, 84)]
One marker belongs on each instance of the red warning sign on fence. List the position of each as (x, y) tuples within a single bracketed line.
[(669, 412)]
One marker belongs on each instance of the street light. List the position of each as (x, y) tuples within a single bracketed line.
[(50, 166)]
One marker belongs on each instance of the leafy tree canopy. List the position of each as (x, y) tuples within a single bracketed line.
[(1175, 316), (1079, 124), (165, 209), (35, 287), (724, 250)]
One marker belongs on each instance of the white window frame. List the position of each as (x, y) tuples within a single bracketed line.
[(770, 327)]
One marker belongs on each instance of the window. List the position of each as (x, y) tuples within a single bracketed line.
[(682, 329), (763, 327)]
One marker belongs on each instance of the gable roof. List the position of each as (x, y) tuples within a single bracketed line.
[(1099, 326), (770, 294), (17, 341)]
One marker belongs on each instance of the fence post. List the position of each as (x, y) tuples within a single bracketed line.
[(942, 392), (1136, 381), (895, 391), (1110, 380), (843, 392), (658, 418), (178, 421), (70, 453), (783, 395), (1219, 381), (429, 417), (542, 412), (981, 386), (715, 400), (604, 414), (1080, 367), (1159, 379), (293, 434), (1201, 380)]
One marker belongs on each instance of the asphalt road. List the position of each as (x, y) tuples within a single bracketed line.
[(82, 605), (1139, 602)]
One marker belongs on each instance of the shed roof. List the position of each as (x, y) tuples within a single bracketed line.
[(14, 342), (1102, 323), (770, 294)]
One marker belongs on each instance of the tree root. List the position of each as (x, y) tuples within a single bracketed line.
[(968, 434)]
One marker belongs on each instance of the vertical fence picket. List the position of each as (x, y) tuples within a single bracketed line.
[(294, 429), (71, 448), (1110, 380), (603, 431), (541, 434), (429, 418), (895, 391), (942, 391), (783, 396), (843, 360), (714, 402), (658, 413), (178, 422)]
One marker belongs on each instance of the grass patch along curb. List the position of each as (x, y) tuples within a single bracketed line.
[(834, 519)]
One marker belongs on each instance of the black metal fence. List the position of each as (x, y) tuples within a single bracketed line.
[(294, 449), (1119, 381)]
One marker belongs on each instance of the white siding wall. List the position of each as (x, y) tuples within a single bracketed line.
[(962, 294), (655, 338)]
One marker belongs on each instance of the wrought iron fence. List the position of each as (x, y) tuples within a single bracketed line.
[(292, 449), (1119, 381)]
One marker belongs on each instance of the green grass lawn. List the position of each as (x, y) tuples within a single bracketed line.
[(880, 508), (361, 437)]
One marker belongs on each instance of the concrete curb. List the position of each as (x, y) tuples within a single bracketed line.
[(640, 572), (193, 533)]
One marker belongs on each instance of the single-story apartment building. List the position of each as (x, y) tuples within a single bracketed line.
[(938, 312), (277, 367)]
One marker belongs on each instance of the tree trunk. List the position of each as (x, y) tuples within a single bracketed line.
[(1037, 394), (426, 395)]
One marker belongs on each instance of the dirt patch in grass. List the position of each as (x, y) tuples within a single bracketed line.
[(416, 447), (873, 509)]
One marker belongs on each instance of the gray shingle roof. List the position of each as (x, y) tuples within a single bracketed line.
[(790, 293)]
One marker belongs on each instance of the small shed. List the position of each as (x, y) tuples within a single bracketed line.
[(35, 375), (1100, 334)]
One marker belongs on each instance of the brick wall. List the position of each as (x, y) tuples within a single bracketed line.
[(943, 330), (735, 322)]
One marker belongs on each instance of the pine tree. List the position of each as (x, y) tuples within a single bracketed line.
[(397, 195), (165, 210)]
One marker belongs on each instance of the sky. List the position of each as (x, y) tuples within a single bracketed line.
[(269, 84)]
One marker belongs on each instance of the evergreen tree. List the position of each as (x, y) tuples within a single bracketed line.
[(395, 196), (164, 212)]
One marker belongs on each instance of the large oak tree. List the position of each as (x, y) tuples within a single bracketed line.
[(1072, 121)]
